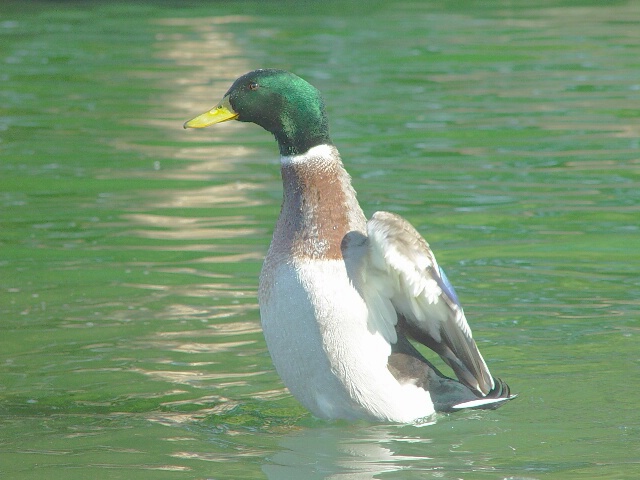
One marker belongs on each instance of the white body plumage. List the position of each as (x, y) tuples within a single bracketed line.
[(317, 329)]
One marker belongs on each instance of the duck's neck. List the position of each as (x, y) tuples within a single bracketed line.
[(319, 206)]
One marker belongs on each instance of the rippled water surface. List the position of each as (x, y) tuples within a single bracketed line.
[(130, 342)]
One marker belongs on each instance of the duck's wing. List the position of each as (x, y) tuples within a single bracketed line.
[(404, 274)]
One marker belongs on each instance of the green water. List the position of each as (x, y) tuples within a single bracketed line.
[(130, 343)]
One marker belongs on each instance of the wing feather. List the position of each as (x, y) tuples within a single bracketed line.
[(425, 302)]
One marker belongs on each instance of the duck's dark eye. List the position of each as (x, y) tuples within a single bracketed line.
[(253, 86)]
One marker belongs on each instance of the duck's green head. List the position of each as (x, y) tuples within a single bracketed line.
[(278, 101)]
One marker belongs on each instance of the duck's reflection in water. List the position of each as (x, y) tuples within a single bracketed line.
[(346, 452)]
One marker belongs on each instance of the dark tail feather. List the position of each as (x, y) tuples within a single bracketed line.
[(498, 396), (500, 390)]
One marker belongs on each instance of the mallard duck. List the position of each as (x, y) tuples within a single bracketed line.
[(340, 297)]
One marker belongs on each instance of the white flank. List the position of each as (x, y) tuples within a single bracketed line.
[(317, 330)]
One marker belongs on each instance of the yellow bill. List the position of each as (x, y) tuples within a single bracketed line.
[(220, 113)]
